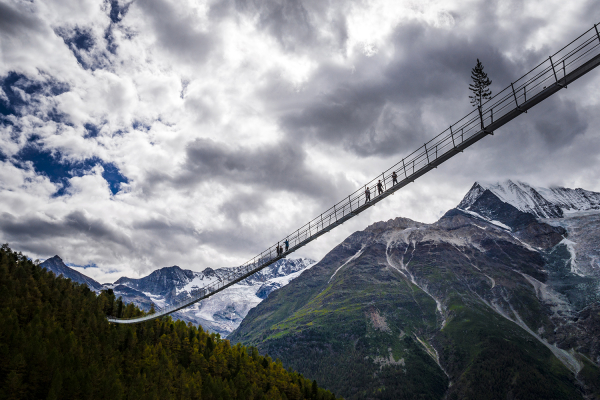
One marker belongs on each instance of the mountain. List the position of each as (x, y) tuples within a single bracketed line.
[(541, 202), (56, 265), (488, 302), (221, 313), (58, 344)]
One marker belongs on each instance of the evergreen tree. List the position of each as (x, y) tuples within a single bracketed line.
[(480, 88)]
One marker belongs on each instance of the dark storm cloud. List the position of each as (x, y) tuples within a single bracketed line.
[(281, 166), (379, 107), (177, 34), (560, 122), (242, 203), (32, 229), (12, 21)]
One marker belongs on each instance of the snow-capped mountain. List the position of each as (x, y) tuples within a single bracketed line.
[(220, 313), (570, 215), (542, 202)]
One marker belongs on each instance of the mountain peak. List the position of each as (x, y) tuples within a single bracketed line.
[(541, 202), (56, 265)]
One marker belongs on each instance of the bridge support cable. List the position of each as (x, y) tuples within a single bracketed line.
[(576, 59)]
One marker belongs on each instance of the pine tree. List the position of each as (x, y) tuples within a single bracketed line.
[(480, 88)]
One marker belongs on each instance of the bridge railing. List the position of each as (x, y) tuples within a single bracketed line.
[(552, 71)]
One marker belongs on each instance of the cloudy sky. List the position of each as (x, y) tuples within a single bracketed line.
[(148, 133)]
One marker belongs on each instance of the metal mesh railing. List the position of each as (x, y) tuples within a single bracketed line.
[(541, 82)]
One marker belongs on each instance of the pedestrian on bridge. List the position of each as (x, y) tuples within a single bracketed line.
[(379, 187), (394, 178), (367, 194), (287, 245)]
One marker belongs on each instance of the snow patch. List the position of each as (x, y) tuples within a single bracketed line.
[(156, 299), (491, 221), (199, 281), (354, 257), (571, 247), (491, 279)]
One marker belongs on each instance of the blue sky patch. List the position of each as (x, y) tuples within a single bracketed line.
[(117, 12), (59, 170), (91, 131), (13, 81), (113, 176), (92, 265), (140, 126), (79, 41)]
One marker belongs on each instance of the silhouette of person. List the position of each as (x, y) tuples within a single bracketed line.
[(379, 187), (394, 178), (287, 245), (367, 194)]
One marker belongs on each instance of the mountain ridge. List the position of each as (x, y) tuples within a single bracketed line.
[(220, 313), (488, 287), (551, 202), (56, 265)]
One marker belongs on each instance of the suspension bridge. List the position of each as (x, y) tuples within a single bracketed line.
[(553, 74)]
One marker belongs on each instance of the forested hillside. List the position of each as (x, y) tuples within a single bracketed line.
[(55, 343)]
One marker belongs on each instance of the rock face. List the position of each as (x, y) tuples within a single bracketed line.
[(488, 302), (56, 265)]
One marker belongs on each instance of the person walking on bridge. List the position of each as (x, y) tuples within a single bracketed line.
[(379, 187), (287, 245), (367, 194), (394, 178)]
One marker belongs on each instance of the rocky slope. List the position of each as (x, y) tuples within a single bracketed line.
[(56, 265), (488, 302)]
